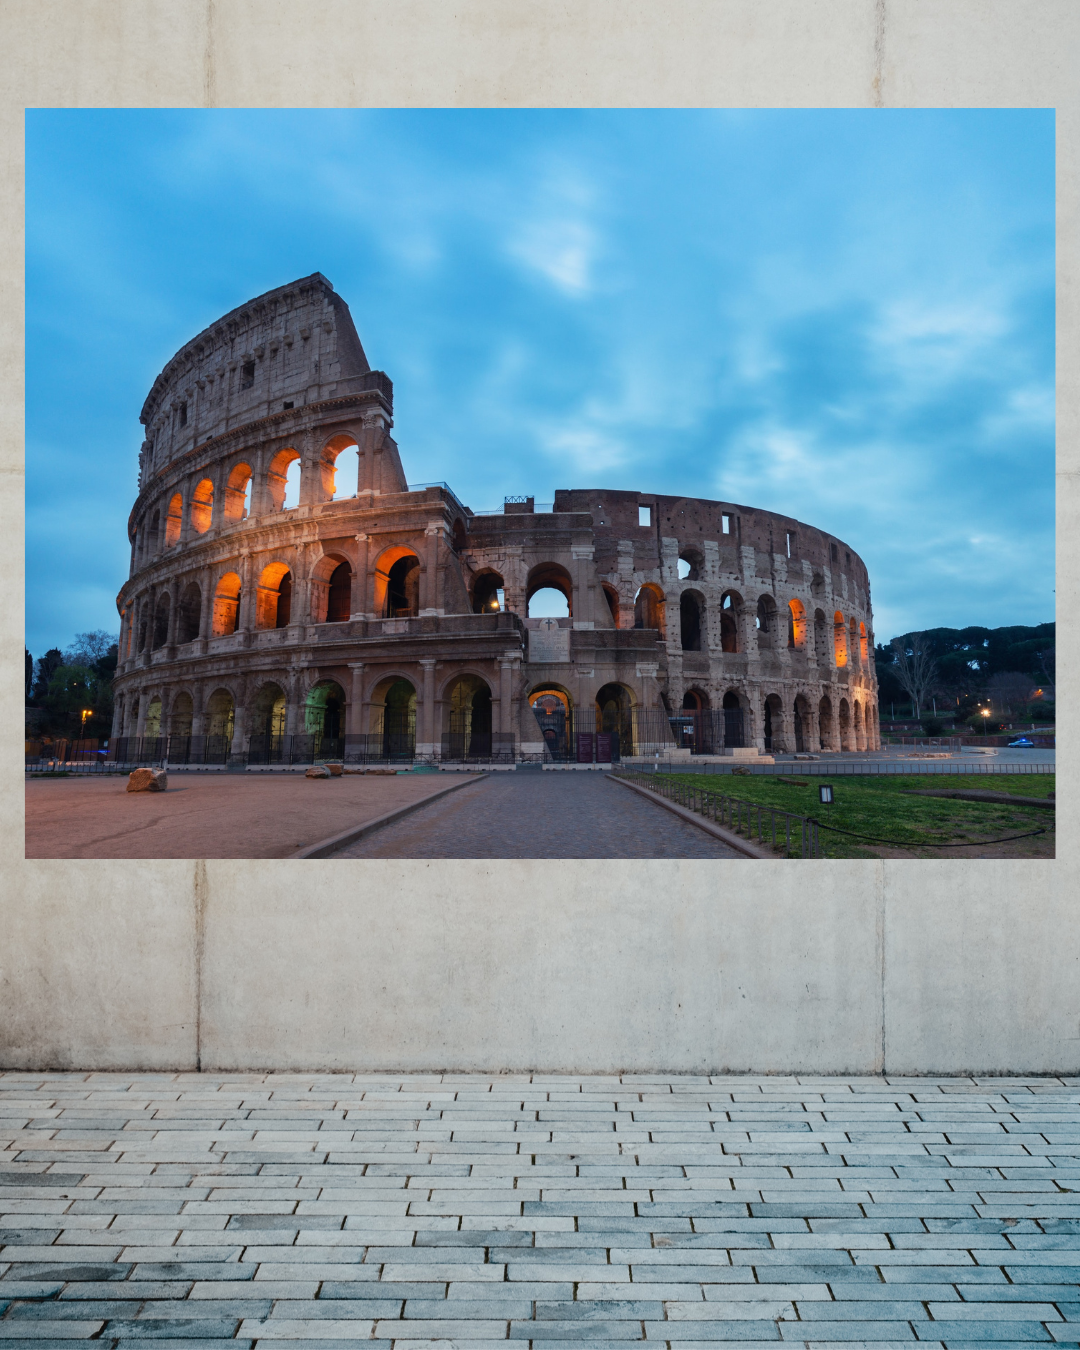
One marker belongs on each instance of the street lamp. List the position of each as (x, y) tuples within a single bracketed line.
[(985, 713)]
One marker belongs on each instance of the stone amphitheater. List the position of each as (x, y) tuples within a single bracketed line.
[(291, 595)]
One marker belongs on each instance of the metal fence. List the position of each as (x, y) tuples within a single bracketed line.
[(787, 834), (831, 768)]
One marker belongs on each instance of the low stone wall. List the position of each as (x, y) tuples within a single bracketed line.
[(589, 966)]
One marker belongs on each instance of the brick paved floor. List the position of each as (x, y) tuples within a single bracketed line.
[(557, 814), (314, 1210)]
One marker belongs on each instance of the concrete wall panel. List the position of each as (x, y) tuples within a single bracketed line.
[(97, 966), (595, 966), (988, 982)]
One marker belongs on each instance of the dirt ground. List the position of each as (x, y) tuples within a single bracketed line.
[(208, 815)]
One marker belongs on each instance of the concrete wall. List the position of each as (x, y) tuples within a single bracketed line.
[(596, 966)]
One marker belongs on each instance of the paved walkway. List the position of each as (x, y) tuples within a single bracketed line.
[(208, 815), (317, 1210), (538, 814)]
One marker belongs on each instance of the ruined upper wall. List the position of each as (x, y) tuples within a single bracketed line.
[(691, 520), (292, 346)]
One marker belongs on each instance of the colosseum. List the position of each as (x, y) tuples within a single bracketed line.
[(292, 598)]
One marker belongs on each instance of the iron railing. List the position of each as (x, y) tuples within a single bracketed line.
[(787, 834)]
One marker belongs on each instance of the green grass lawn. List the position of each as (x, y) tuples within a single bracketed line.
[(886, 808)]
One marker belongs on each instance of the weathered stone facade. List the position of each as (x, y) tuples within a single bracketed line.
[(243, 618)]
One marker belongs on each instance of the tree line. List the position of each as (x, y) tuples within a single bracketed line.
[(1008, 671), (69, 693)]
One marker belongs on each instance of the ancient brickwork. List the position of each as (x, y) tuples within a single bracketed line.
[(366, 608)]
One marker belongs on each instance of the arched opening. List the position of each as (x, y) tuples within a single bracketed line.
[(615, 719), (220, 714), (853, 640), (339, 594), (649, 608), (273, 596), (817, 586), (460, 538), (845, 725), (857, 725), (864, 648), (796, 639), (154, 534), (826, 730), (549, 592), (189, 615), (611, 595), (226, 605), (488, 595), (339, 468), (174, 520), (552, 709), (403, 588), (691, 565), (393, 707), (694, 724), (267, 737), (766, 623), (152, 725), (283, 479), (839, 639), (202, 506), (161, 620), (773, 722), (467, 701), (734, 721), (238, 493), (691, 620), (180, 722), (397, 592), (324, 718), (730, 604)]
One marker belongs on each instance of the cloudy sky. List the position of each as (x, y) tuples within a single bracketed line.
[(847, 316)]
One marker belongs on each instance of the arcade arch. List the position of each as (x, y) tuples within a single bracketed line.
[(273, 596)]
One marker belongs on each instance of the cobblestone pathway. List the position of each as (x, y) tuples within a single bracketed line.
[(315, 1210), (564, 814)]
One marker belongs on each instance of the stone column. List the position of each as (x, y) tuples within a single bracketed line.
[(117, 717), (356, 697), (811, 731), (174, 613), (506, 694), (425, 731), (370, 438), (754, 716), (238, 749), (260, 489), (429, 569), (140, 722), (246, 617), (293, 687), (358, 600), (217, 511), (206, 608), (198, 711), (786, 730)]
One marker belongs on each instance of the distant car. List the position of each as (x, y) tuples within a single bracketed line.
[(1023, 740)]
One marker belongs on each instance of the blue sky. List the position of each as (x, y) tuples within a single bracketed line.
[(847, 316)]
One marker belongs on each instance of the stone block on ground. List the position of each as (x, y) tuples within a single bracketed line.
[(147, 780), (317, 771), (335, 770)]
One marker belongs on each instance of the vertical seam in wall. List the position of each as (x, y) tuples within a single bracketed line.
[(209, 80), (200, 909), (877, 88), (882, 911)]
